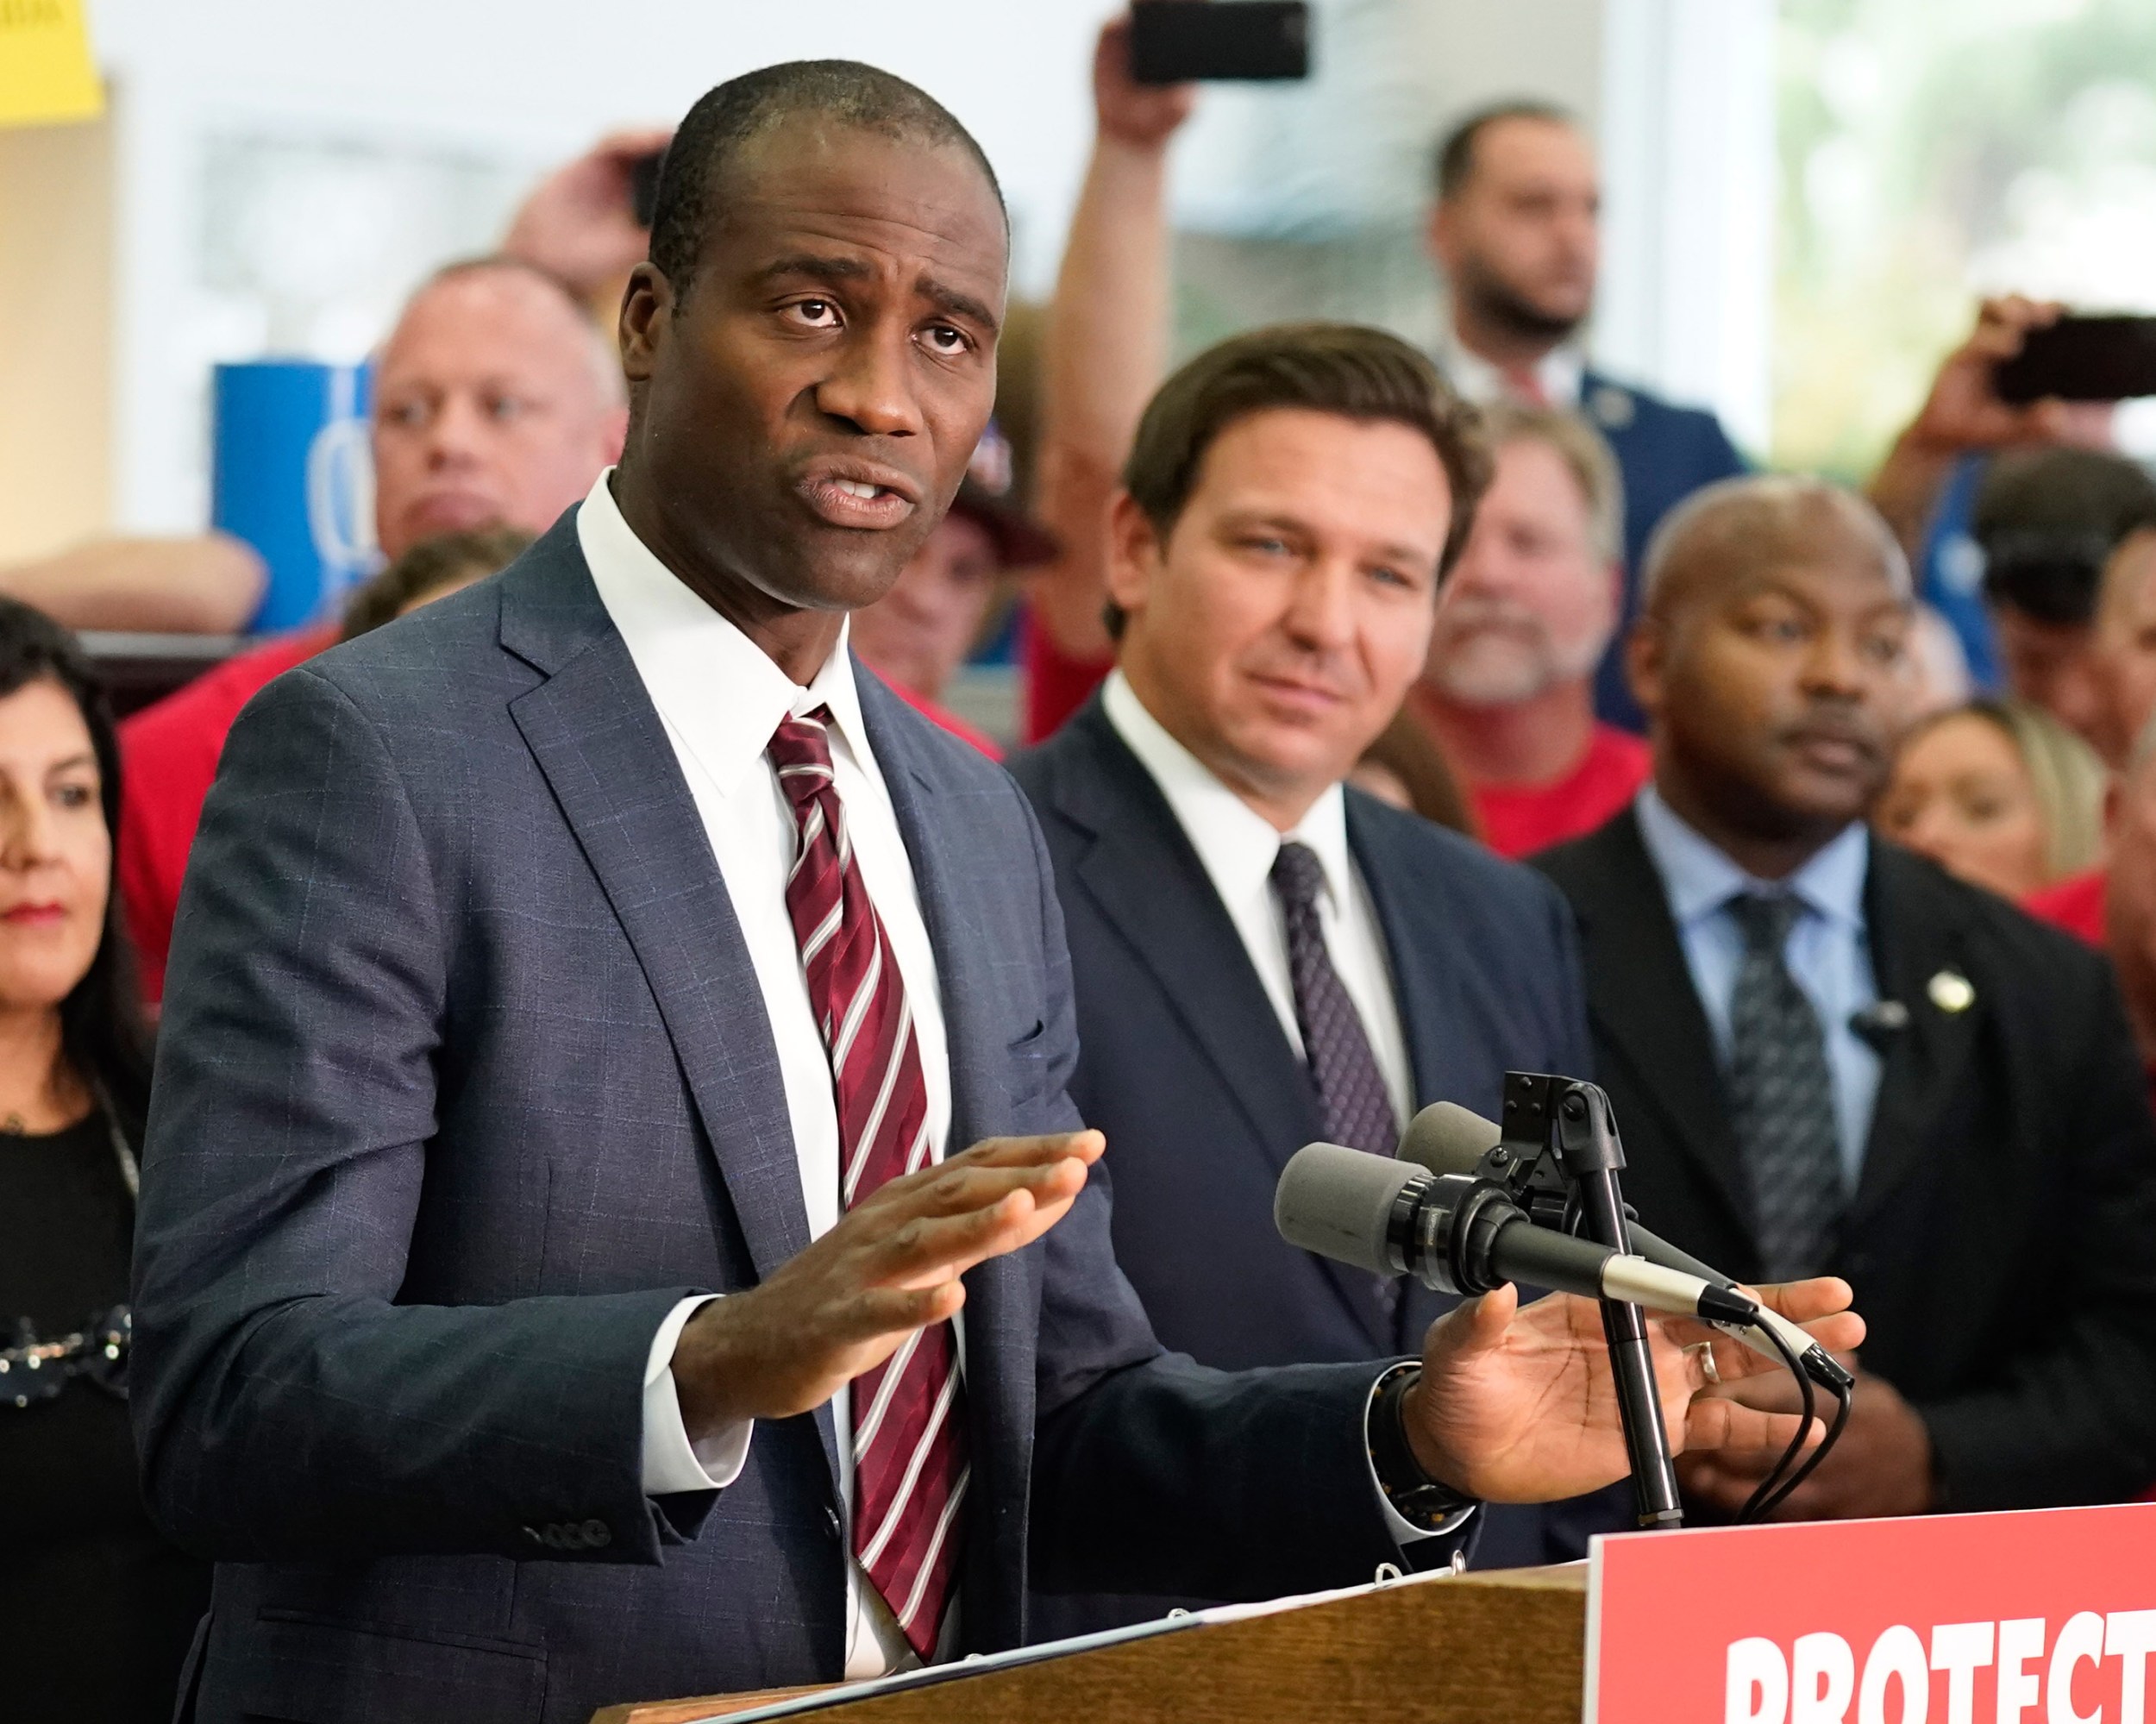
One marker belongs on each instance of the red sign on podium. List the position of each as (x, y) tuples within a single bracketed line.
[(2040, 1618)]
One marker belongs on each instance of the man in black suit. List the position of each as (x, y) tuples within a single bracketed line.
[(1293, 500), (613, 1225), (1826, 1054)]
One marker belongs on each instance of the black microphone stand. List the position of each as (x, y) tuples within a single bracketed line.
[(1575, 1125)]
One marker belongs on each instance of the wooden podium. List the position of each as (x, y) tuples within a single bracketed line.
[(1498, 1648)]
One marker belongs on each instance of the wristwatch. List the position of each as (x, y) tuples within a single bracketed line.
[(1422, 1501)]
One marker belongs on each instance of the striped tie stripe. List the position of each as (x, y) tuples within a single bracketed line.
[(910, 1468)]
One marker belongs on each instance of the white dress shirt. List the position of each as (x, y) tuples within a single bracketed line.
[(1560, 374), (720, 698), (1238, 846)]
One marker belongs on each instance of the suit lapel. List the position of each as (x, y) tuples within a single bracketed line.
[(1430, 1011), (599, 741), (1639, 993), (1142, 872), (1914, 937)]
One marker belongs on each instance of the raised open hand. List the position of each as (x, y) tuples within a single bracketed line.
[(1517, 1403), (891, 1266)]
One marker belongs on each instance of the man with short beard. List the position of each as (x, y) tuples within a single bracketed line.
[(1508, 692), (1514, 229)]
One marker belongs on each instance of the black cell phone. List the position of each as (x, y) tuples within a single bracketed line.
[(2082, 359), (643, 186), (1182, 41)]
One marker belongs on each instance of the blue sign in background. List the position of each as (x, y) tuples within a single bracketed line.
[(290, 474)]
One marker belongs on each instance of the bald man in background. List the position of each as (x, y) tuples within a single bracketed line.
[(1826, 1055), (496, 402)]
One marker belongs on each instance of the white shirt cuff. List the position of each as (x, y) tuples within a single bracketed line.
[(670, 1462), (1404, 1531)]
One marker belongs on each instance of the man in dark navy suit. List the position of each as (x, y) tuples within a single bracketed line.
[(1514, 228), (1263, 956)]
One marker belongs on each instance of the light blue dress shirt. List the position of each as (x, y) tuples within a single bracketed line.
[(1829, 954)]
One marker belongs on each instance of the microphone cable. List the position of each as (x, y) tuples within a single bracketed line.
[(1845, 1396), (1757, 1503), (1775, 1489)]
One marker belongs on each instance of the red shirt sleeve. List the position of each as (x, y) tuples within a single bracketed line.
[(168, 759)]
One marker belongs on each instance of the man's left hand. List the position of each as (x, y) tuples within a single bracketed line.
[(1881, 1464), (1518, 1405)]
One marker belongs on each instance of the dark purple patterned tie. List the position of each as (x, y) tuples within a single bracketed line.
[(1351, 1095)]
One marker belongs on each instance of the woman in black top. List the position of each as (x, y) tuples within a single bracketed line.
[(95, 1608)]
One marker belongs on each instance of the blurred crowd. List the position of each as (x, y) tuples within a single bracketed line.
[(1857, 858)]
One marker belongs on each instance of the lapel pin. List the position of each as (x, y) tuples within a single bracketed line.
[(1951, 991)]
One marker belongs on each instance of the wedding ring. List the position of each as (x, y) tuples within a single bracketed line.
[(1707, 1366)]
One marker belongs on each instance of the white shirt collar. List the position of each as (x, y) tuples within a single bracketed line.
[(1561, 372), (720, 693), (1237, 844)]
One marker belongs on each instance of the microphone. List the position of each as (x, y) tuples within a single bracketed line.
[(1462, 1234), (1879, 1023), (1450, 1139)]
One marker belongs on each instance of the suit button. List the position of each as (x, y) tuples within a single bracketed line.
[(831, 1521), (598, 1535)]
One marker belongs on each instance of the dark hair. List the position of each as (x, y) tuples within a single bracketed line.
[(446, 560), (840, 92), (101, 1030), (2048, 520), (1406, 749), (1453, 165), (1342, 368)]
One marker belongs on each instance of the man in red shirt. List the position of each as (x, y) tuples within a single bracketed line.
[(1508, 694), (496, 402)]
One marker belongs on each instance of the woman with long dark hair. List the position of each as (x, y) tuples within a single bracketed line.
[(95, 1608)]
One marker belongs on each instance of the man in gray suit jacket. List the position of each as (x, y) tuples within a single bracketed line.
[(552, 1286)]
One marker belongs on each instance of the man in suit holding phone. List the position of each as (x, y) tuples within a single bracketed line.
[(560, 1280), (1828, 1055)]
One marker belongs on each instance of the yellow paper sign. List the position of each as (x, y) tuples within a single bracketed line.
[(46, 71)]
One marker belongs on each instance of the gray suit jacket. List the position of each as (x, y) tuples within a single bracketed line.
[(465, 1080)]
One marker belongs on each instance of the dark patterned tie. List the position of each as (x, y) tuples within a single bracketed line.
[(1782, 1097), (910, 1468), (1351, 1095)]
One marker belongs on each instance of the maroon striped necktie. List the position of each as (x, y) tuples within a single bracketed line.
[(909, 1467)]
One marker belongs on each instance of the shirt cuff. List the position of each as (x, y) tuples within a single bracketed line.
[(670, 1462), (1404, 1532)]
